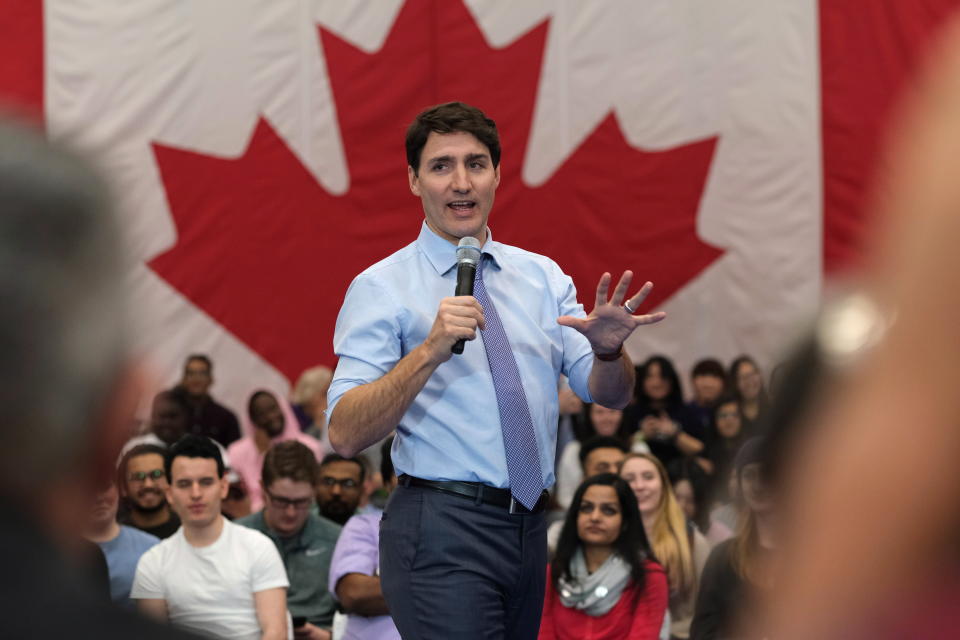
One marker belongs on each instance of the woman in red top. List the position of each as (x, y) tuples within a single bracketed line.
[(602, 584)]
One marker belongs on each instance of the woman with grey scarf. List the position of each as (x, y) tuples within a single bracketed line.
[(604, 583)]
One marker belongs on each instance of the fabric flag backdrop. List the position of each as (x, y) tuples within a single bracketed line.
[(717, 149)]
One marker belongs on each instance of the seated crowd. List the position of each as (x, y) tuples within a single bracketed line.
[(660, 523)]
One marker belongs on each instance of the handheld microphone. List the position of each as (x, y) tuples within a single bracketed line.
[(468, 257)]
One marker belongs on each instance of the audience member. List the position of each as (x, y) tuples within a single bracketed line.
[(122, 546), (69, 389), (207, 417), (340, 487), (570, 423), (746, 382), (603, 582), (169, 421), (726, 436), (169, 418), (355, 569), (740, 566), (309, 402), (599, 454), (213, 576), (237, 503), (725, 503), (691, 487), (677, 545), (709, 381), (143, 485), (305, 541), (668, 427), (601, 421), (269, 420)]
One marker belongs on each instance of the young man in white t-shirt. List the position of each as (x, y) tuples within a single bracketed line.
[(211, 576)]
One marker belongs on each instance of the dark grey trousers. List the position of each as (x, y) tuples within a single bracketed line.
[(452, 569)]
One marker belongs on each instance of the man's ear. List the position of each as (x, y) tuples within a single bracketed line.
[(114, 424), (224, 486), (414, 180)]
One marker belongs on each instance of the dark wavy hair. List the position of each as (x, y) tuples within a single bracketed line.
[(632, 545), (674, 399), (451, 117)]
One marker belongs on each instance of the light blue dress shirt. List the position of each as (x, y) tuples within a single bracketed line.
[(452, 429)]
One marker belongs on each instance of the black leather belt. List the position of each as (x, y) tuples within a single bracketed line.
[(478, 492)]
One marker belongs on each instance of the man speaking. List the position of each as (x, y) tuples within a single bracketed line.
[(463, 541)]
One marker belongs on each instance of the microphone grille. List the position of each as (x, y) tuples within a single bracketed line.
[(468, 250)]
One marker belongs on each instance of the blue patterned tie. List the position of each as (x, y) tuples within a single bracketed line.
[(523, 461)]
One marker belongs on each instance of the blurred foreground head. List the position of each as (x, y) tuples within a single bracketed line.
[(61, 323)]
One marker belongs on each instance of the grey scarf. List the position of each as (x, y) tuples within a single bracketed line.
[(594, 593)]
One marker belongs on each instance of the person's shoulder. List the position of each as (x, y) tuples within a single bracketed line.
[(512, 253), (245, 536), (392, 263), (253, 521), (161, 551), (219, 408), (138, 537), (721, 554), (324, 527), (652, 566), (240, 448)]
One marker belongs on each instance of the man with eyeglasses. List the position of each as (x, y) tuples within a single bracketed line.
[(143, 485), (305, 540), (340, 487)]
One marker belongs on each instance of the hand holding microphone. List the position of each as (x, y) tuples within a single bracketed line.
[(458, 316), (468, 258)]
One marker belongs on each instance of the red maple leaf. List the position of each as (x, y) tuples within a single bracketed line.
[(268, 253)]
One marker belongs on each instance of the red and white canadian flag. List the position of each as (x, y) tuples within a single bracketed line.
[(717, 149)]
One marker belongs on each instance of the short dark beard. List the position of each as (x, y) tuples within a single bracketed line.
[(340, 515), (147, 510)]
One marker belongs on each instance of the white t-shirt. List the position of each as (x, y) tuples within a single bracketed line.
[(210, 589)]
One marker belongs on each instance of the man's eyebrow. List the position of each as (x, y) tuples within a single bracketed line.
[(470, 158), (447, 158)]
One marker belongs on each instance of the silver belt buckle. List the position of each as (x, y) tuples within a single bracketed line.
[(513, 505)]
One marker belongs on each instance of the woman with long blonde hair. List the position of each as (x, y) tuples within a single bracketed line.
[(678, 547)]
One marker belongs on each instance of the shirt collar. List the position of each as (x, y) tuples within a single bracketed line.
[(442, 253)]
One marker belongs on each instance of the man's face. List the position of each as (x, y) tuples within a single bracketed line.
[(602, 460), (196, 492), (456, 182), (197, 378), (338, 492), (287, 505), (168, 420), (145, 484), (104, 509), (265, 413)]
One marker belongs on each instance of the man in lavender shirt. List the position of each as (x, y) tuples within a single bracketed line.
[(355, 569)]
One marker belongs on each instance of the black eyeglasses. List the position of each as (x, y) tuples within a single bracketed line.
[(283, 503), (140, 476), (345, 483)]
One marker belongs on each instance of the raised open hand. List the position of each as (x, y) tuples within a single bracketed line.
[(613, 320)]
